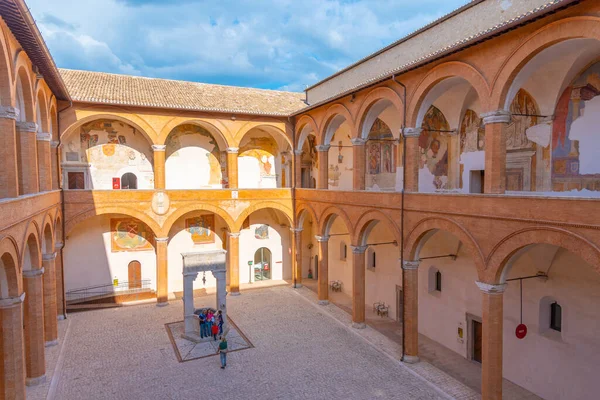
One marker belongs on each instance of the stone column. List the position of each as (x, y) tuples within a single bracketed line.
[(60, 289), (297, 169), (358, 286), (54, 159), (358, 163), (50, 313), (410, 290), (162, 272), (12, 356), (9, 178), (191, 324), (159, 166), (28, 174), (411, 135), (323, 292), (297, 250), (35, 359), (491, 349), (495, 150), (220, 276), (233, 251), (232, 167), (44, 161), (323, 178)]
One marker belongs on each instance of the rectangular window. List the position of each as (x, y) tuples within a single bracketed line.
[(438, 281), (555, 316), (76, 180)]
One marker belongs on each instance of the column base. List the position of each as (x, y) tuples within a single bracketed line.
[(61, 317), (52, 343), (35, 381), (162, 304), (234, 293), (411, 359), (323, 302), (297, 286), (359, 325)]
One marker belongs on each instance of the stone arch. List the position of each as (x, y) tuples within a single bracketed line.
[(9, 254), (138, 123), (237, 226), (180, 212), (438, 74), (23, 82), (305, 126), (220, 134), (301, 210), (273, 129), (335, 115), (127, 211), (427, 227), (6, 96), (368, 111), (367, 222), (42, 103), (510, 247), (580, 27), (329, 215), (31, 242)]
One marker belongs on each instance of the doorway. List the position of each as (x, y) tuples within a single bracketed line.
[(477, 340), (316, 267), (135, 275), (262, 264)]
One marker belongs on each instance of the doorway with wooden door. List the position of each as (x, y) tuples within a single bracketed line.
[(135, 275), (476, 328)]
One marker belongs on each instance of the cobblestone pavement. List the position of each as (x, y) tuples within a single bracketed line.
[(300, 353)]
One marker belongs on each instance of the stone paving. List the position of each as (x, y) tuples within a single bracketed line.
[(300, 352)]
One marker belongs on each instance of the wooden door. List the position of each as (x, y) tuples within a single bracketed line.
[(135, 275), (477, 339)]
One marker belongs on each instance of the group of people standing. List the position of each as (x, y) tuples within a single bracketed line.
[(211, 323)]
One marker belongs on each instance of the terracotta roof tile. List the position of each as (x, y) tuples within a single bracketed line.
[(99, 87)]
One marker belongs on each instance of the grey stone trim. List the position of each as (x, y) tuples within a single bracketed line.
[(411, 132), (496, 117), (491, 288), (159, 147), (9, 112), (358, 249), (43, 137), (30, 127), (322, 147), (232, 150), (410, 265), (322, 238), (30, 273), (358, 141)]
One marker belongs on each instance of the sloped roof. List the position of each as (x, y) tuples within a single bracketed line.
[(104, 88)]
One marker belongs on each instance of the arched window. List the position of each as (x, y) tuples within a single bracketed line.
[(555, 316), (262, 264), (371, 259), (434, 281), (343, 251), (129, 181), (438, 281)]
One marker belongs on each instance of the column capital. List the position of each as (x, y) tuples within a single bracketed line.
[(358, 141), (490, 288), (233, 234), (54, 144), (30, 273), (358, 249), (298, 152), (49, 257), (162, 239), (219, 273), (30, 127), (159, 147), (322, 147), (59, 245), (496, 117), (296, 230), (9, 112), (43, 137), (232, 150), (12, 301), (322, 238), (412, 132), (188, 274), (410, 265)]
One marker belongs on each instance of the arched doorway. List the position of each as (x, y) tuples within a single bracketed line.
[(129, 181), (135, 275), (262, 264)]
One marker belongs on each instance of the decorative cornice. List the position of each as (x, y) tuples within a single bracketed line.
[(49, 257), (233, 234), (491, 288), (296, 230), (410, 265), (23, 126), (496, 117), (322, 238), (298, 152), (9, 112), (322, 147), (163, 239), (159, 147), (30, 273), (232, 150), (412, 132), (358, 141), (43, 137), (358, 249), (12, 301)]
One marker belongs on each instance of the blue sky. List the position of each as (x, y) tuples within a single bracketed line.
[(272, 44)]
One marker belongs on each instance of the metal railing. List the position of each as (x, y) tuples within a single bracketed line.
[(100, 291)]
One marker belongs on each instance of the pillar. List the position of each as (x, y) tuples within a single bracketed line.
[(359, 161), (35, 359), (323, 178), (159, 166), (44, 161), (54, 159), (234, 263), (221, 277), (495, 150), (9, 179), (28, 168), (411, 136), (297, 169), (358, 286), (454, 160), (323, 290), (491, 349), (410, 292), (50, 313), (191, 325), (60, 289), (232, 167), (297, 250), (162, 272), (12, 356)]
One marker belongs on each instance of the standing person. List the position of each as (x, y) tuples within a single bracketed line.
[(223, 352), (202, 324), (215, 331), (209, 321), (220, 322)]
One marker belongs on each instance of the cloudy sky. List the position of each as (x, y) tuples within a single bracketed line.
[(273, 44)]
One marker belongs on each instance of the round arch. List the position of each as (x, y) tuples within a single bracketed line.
[(47, 235), (580, 27), (53, 122), (58, 229), (451, 69), (31, 239), (304, 127), (427, 227), (220, 134), (335, 116), (273, 129), (23, 82), (9, 253), (377, 98), (129, 212), (237, 226), (180, 212), (329, 215), (302, 210), (509, 248), (367, 222), (6, 95), (42, 103)]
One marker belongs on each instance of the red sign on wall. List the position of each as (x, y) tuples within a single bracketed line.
[(116, 183), (521, 331)]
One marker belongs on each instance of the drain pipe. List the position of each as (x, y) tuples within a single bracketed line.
[(402, 209), (62, 205), (293, 190)]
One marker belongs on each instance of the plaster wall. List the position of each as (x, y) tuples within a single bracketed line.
[(339, 269), (340, 173)]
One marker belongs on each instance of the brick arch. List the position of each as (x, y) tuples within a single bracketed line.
[(32, 232), (302, 133), (220, 133), (22, 75), (439, 73), (500, 259), (72, 222), (301, 210), (373, 97), (367, 221), (6, 96), (42, 103), (9, 251), (425, 228), (58, 228), (330, 114), (326, 219), (237, 226), (48, 224), (266, 126), (581, 27), (180, 212), (53, 119)]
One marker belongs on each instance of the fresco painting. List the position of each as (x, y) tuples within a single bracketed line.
[(472, 133), (201, 229), (433, 145), (128, 234), (261, 232)]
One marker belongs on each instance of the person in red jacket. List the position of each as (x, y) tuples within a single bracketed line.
[(215, 330)]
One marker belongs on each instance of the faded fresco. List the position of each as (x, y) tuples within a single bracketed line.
[(201, 228), (433, 144), (521, 160), (128, 234), (576, 135), (472, 133), (381, 156), (261, 232), (256, 162)]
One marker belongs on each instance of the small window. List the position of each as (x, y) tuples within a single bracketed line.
[(343, 251), (76, 180), (555, 316), (374, 263), (438, 281), (129, 181), (371, 259)]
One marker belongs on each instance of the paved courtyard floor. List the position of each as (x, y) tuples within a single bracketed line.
[(301, 351)]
